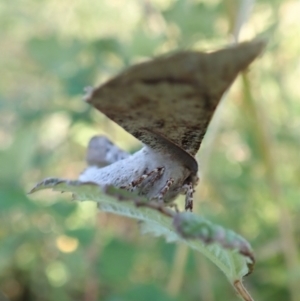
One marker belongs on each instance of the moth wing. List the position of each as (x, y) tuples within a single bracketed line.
[(173, 96)]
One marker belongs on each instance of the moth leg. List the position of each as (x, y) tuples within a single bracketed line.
[(188, 190), (156, 173), (165, 189)]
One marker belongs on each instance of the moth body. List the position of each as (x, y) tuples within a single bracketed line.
[(166, 103), (153, 174)]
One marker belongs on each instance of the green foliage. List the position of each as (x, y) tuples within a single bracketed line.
[(229, 251), (52, 249)]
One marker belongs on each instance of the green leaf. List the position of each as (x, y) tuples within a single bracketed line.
[(229, 251)]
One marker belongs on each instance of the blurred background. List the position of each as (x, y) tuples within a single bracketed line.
[(55, 249)]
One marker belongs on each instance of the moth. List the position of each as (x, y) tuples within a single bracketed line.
[(166, 103)]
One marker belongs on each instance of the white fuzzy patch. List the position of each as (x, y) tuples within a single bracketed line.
[(123, 172)]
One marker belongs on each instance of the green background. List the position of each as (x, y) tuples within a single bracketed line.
[(53, 249)]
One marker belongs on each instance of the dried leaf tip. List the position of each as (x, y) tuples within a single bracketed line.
[(257, 44), (251, 49)]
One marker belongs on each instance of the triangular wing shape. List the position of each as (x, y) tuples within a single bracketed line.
[(173, 96)]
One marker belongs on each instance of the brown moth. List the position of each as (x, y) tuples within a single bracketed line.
[(166, 103)]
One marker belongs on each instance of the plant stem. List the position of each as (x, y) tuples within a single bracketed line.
[(286, 231), (241, 290), (177, 273)]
